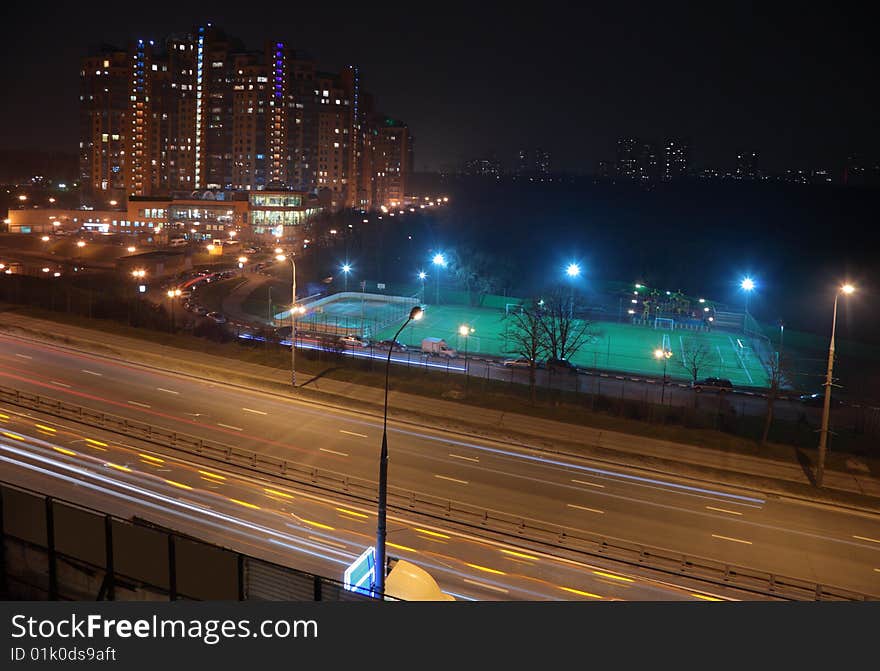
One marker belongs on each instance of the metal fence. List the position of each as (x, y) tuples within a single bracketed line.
[(475, 518)]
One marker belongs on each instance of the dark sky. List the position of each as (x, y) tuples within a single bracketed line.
[(793, 82)]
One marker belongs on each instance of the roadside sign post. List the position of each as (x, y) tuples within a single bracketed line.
[(360, 576)]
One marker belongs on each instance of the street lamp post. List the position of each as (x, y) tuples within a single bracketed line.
[(381, 531), (172, 294), (665, 355), (465, 331), (293, 311), (826, 405)]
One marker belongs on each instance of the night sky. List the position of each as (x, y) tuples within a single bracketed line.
[(793, 83)]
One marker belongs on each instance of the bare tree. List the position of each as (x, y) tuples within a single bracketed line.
[(565, 334), (527, 337), (696, 356), (774, 367)]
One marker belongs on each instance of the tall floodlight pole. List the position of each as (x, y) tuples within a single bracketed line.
[(747, 285), (440, 261), (573, 271), (826, 405), (414, 314), (293, 311), (422, 276)]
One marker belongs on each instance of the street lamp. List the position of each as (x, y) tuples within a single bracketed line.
[(172, 294), (241, 261), (846, 289), (747, 285), (439, 260), (665, 355), (346, 269), (414, 314), (464, 330), (293, 310)]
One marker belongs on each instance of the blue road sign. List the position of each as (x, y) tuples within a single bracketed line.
[(361, 575)]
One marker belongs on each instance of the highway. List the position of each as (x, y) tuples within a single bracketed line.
[(806, 541)]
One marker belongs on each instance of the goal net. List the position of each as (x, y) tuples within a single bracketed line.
[(664, 323)]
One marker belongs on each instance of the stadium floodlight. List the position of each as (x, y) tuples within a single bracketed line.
[(439, 260), (573, 270), (346, 269), (747, 285), (422, 274)]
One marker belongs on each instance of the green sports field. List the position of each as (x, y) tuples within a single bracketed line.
[(614, 346)]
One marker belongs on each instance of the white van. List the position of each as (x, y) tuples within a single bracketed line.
[(177, 242), (438, 346)]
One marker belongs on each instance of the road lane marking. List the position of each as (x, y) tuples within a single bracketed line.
[(722, 510), (91, 372), (256, 412), (245, 504), (91, 441), (212, 475), (326, 542), (142, 405), (2, 416), (404, 547), (24, 356), (458, 456), (431, 533), (877, 569), (316, 524), (229, 426), (590, 510), (44, 428), (519, 554), (735, 540), (168, 391), (351, 512), (352, 433), (706, 598), (485, 586), (178, 484), (341, 454), (581, 592), (60, 384), (275, 492), (443, 477), (486, 569), (613, 577), (151, 458), (124, 469), (14, 436), (865, 538), (70, 453), (591, 484)]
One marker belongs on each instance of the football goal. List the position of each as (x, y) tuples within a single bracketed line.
[(664, 323)]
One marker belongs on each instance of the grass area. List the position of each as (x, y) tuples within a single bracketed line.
[(614, 346), (724, 430)]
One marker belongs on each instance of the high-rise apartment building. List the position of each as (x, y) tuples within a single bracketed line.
[(747, 165), (676, 159), (198, 112)]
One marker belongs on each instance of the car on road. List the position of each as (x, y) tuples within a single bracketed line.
[(393, 345), (216, 317), (561, 366), (521, 362), (249, 250), (353, 341), (817, 400), (718, 384), (200, 310)]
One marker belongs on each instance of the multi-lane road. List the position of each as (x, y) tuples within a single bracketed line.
[(811, 542)]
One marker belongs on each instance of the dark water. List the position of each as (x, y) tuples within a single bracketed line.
[(798, 242)]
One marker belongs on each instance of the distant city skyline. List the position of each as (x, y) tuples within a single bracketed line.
[(795, 86)]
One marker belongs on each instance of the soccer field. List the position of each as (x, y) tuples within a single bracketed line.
[(614, 346)]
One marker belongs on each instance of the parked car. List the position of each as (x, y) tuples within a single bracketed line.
[(249, 250), (718, 384), (817, 400), (216, 317), (561, 366), (438, 346), (200, 310), (353, 341), (393, 345), (521, 362)]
